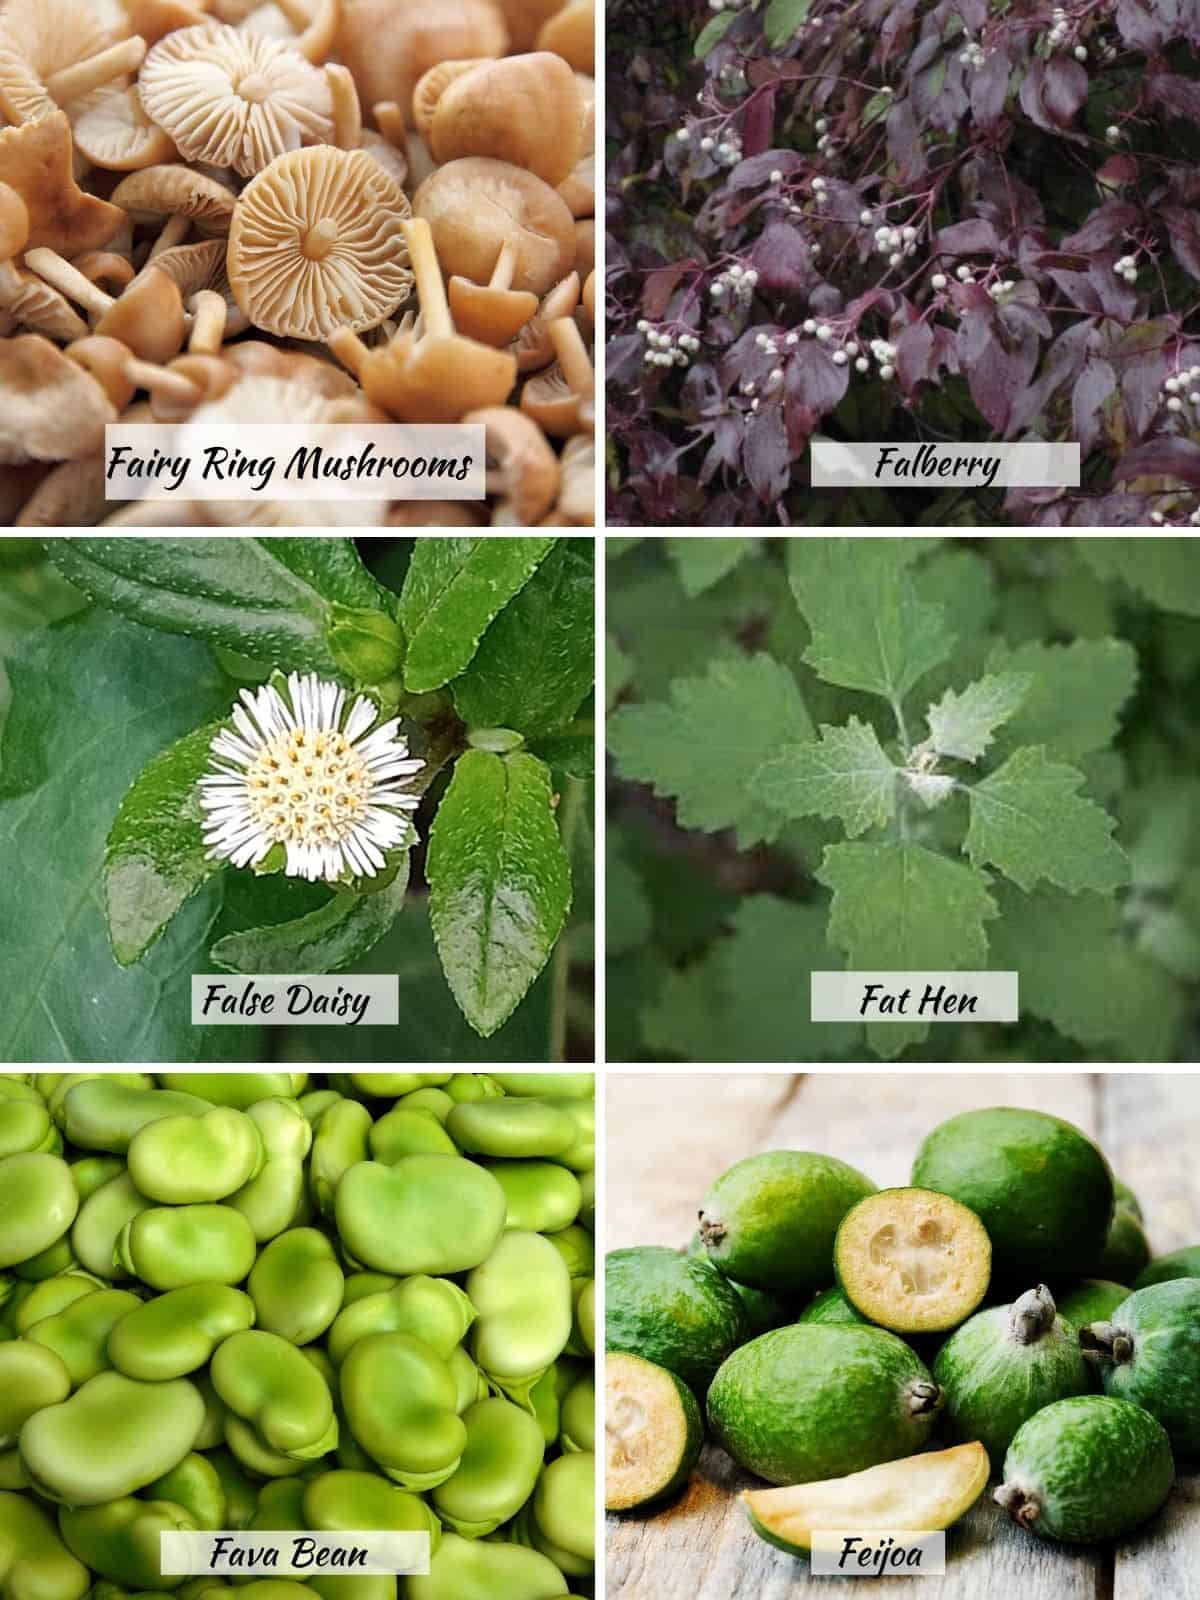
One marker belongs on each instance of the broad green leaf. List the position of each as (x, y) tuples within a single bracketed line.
[(618, 670), (1166, 571), (628, 920), (898, 907), (571, 753), (963, 725), (155, 858), (276, 600), (1074, 701), (326, 940), (454, 587), (713, 32), (963, 583), (701, 562), (1028, 819), (32, 592), (703, 747), (499, 882), (870, 631), (536, 662), (94, 698), (782, 19), (845, 774), (616, 544)]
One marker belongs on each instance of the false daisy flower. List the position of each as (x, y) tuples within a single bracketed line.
[(304, 772)]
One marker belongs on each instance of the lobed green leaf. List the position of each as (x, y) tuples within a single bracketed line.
[(963, 725), (846, 774)]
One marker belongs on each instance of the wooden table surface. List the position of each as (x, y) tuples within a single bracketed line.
[(670, 1134)]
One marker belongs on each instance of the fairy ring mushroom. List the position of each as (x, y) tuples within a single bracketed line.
[(522, 109), (178, 199), (54, 52), (388, 44), (50, 408), (311, 32), (154, 19), (317, 244), (577, 485), (432, 85), (521, 468), (493, 312), (578, 189), (234, 99), (148, 316), (533, 346), (560, 399), (476, 205), (113, 131), (35, 159), (526, 18), (571, 33)]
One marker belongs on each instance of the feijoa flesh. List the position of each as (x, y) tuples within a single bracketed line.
[(1093, 1467), (770, 1220), (652, 1431), (912, 1260), (809, 1402), (680, 1314), (1149, 1353)]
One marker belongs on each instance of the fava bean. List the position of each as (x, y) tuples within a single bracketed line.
[(237, 1089), (177, 1332), (120, 1538), (78, 1334), (266, 1381), (275, 1198), (101, 1114), (34, 1562), (102, 1217), (38, 1203), (408, 1131), (564, 1504), (579, 1416), (436, 1214), (474, 1569), (296, 1285), (433, 1310), (184, 1159), (541, 1197), (498, 1470), (508, 1127), (340, 1141), (399, 1399), (522, 1293), (170, 1247), (31, 1378)]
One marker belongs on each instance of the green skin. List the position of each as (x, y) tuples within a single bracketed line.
[(1183, 1263), (764, 1310), (1149, 1354), (1040, 1187), (832, 1309), (673, 1389), (770, 1220), (1093, 1300), (1005, 1364), (810, 1402), (680, 1314), (1126, 1250), (1088, 1468), (1124, 1196)]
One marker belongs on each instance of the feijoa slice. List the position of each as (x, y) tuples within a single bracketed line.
[(925, 1492), (912, 1260), (1092, 1467), (1149, 1353), (652, 1430)]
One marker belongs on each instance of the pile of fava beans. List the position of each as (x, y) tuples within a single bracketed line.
[(275, 1301)]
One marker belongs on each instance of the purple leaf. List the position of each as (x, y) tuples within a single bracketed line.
[(757, 122), (1162, 458), (812, 380), (1178, 96), (1095, 384), (781, 259), (989, 89), (913, 350), (904, 143), (766, 454), (1138, 27), (1114, 218), (1183, 230), (966, 238)]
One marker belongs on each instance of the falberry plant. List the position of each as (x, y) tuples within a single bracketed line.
[(909, 220), (918, 754)]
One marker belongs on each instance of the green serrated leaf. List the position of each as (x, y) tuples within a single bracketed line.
[(898, 907), (1166, 571), (870, 631), (272, 599), (1028, 820), (700, 563), (454, 587), (782, 19), (569, 754), (536, 662), (845, 774), (963, 725), (1074, 702), (155, 858), (325, 940), (703, 747), (94, 699), (713, 32), (618, 670), (629, 917), (500, 884)]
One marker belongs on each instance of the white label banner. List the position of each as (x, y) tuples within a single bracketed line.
[(354, 1554), (220, 1000), (293, 461), (914, 997), (898, 1553), (836, 465)]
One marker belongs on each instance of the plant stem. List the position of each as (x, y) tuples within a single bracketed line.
[(560, 966)]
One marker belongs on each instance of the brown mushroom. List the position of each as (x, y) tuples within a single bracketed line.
[(393, 161), (525, 19), (437, 374), (316, 244), (71, 495), (521, 109), (557, 398), (388, 44), (148, 316), (577, 485), (256, 359), (234, 99), (36, 306), (589, 297), (435, 514), (533, 347), (53, 53), (36, 161), (571, 34), (475, 206), (314, 28), (432, 85), (197, 268), (104, 267), (522, 469), (492, 312), (585, 246), (50, 409), (154, 19), (14, 223), (178, 197), (578, 189), (175, 390), (113, 131)]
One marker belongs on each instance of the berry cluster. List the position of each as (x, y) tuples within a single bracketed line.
[(1183, 386), (736, 283), (1060, 32), (1126, 268), (667, 349), (973, 54), (894, 243)]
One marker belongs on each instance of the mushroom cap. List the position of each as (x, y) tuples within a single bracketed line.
[(475, 206), (113, 131), (388, 44), (525, 19), (148, 317), (436, 379), (39, 38), (35, 159), (394, 162), (578, 189), (14, 223), (154, 19), (176, 191), (577, 484), (50, 409), (585, 246), (552, 403), (435, 514), (254, 358), (106, 269), (202, 266), (234, 99), (106, 361), (519, 455), (316, 244), (493, 316), (70, 496), (38, 305), (432, 85), (534, 347), (571, 33), (522, 109)]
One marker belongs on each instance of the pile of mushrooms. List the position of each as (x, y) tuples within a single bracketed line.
[(275, 210)]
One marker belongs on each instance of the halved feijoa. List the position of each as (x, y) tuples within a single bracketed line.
[(1088, 1468), (770, 1220), (921, 1493), (1091, 1300), (1183, 1263), (912, 1260), (1149, 1353), (683, 1315), (652, 1432), (1041, 1188), (1005, 1364)]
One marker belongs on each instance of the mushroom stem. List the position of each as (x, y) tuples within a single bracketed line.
[(209, 316), (161, 383), (506, 265), (51, 267), (175, 232), (431, 291), (72, 83), (389, 119), (105, 268), (347, 113), (316, 36), (10, 283), (349, 349), (296, 13), (572, 355)]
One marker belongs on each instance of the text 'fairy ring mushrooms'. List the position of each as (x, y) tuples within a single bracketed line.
[(234, 99), (475, 206), (317, 244)]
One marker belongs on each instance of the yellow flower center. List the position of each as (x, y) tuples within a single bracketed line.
[(308, 788)]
